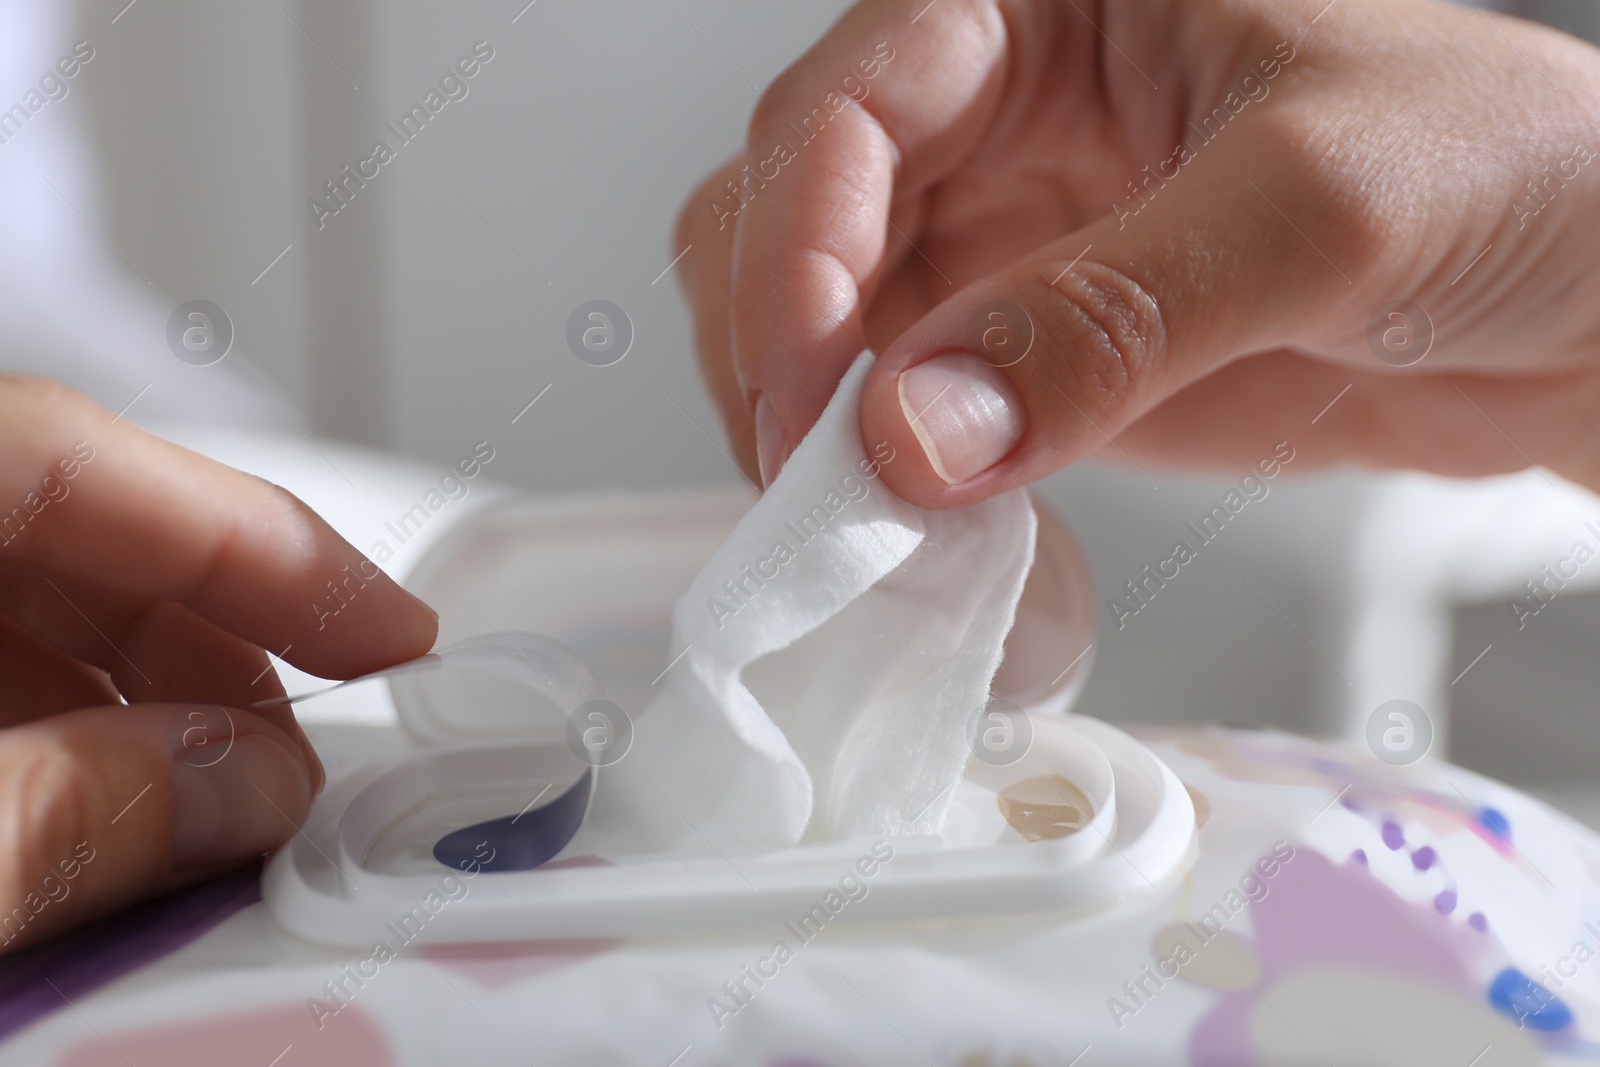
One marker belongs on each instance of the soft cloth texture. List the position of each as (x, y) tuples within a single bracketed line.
[(836, 652)]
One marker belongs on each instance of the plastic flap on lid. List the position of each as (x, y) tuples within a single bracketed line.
[(494, 687), (477, 710)]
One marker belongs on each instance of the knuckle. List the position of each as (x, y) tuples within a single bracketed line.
[(1106, 330), (1359, 222), (780, 101), (283, 506), (276, 517), (695, 216)]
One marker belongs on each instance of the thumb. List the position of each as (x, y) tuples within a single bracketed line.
[(1031, 368), (106, 806)]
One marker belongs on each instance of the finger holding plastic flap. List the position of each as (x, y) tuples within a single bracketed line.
[(493, 798)]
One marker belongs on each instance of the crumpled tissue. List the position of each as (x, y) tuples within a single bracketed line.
[(829, 665)]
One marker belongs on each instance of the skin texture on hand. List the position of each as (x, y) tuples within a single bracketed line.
[(1179, 228), (133, 570)]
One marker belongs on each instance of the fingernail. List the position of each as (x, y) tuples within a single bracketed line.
[(245, 803), (319, 773), (283, 718), (966, 414), (419, 602), (772, 449)]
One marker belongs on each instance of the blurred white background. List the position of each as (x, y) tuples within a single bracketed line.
[(432, 309)]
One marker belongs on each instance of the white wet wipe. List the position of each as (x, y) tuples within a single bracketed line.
[(833, 658)]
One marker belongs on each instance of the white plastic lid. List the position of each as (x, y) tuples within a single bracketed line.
[(1123, 825), (1076, 816)]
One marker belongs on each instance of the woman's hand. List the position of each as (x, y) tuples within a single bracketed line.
[(133, 569), (1180, 227)]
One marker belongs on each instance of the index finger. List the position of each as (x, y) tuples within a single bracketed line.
[(878, 110), (88, 494)]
